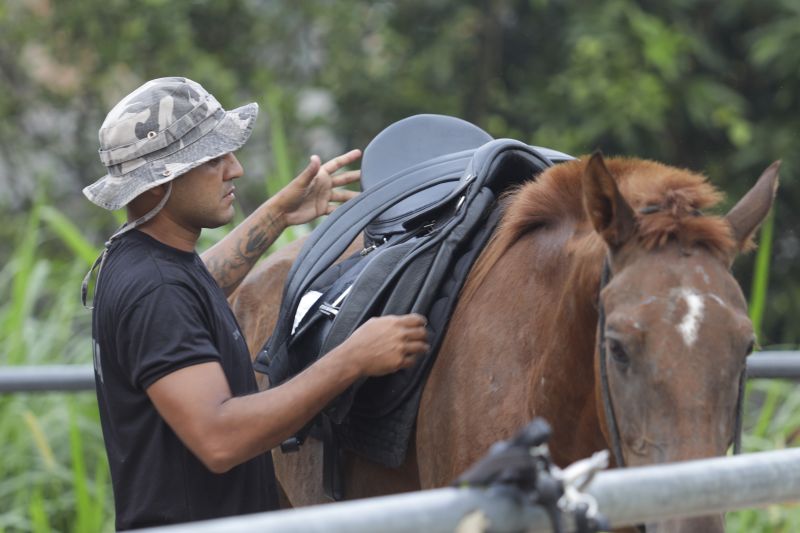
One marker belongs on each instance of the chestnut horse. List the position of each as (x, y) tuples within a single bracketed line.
[(524, 339)]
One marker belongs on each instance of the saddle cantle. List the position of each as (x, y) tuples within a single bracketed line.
[(430, 187)]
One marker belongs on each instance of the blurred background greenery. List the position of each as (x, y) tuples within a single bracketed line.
[(709, 85)]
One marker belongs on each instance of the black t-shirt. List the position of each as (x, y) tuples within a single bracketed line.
[(157, 309)]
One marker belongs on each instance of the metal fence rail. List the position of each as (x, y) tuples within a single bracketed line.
[(46, 378), (54, 378), (774, 364), (626, 497)]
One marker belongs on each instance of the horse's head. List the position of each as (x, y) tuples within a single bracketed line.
[(674, 330)]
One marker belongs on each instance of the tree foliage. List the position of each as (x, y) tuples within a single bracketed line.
[(712, 86), (708, 85)]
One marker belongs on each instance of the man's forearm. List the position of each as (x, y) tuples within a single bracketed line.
[(231, 259), (287, 409), (224, 431)]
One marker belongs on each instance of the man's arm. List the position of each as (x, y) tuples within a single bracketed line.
[(224, 431), (305, 198)]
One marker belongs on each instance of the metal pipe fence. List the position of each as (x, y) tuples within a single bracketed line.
[(625, 497), (783, 364), (65, 378), (46, 378)]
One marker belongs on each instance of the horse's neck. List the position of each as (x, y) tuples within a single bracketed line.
[(562, 374), (571, 317)]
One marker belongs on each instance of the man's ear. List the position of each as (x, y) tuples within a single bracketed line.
[(158, 191), (147, 200)]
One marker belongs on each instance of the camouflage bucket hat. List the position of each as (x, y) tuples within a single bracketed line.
[(161, 130)]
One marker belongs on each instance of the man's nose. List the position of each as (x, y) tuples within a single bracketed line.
[(233, 169)]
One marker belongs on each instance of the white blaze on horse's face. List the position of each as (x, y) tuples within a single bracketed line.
[(690, 324)]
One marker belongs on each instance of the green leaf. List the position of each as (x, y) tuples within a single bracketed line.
[(38, 513), (83, 504), (69, 234)]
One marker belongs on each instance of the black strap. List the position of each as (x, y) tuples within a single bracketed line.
[(332, 463), (608, 408)]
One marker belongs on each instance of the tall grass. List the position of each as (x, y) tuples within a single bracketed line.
[(53, 471)]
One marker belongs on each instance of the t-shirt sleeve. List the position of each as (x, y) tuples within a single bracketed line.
[(164, 331)]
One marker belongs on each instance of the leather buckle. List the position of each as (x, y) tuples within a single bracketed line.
[(332, 309)]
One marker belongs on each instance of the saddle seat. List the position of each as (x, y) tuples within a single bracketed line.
[(431, 150)]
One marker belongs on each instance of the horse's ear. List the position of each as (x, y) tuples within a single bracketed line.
[(610, 214), (745, 217)]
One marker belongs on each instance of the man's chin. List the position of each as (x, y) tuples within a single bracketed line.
[(220, 222)]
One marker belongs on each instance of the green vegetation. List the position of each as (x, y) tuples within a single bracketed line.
[(712, 86)]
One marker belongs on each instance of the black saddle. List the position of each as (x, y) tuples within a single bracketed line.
[(429, 204), (433, 150)]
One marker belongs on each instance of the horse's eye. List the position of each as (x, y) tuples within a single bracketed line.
[(750, 347), (618, 353)]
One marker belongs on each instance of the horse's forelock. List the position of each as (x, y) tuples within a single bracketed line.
[(675, 196), (675, 199)]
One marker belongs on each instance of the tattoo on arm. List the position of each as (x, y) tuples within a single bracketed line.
[(231, 262)]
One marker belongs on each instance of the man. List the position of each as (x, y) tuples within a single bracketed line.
[(187, 434)]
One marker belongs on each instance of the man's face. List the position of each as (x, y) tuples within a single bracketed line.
[(203, 197)]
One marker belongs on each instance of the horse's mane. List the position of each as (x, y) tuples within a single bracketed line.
[(675, 195)]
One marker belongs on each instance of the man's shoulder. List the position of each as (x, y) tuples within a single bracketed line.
[(138, 266)]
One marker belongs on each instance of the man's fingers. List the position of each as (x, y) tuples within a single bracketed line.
[(342, 195), (414, 349), (343, 160), (415, 335), (413, 319), (310, 171), (345, 178)]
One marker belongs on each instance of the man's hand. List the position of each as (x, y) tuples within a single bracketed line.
[(313, 192), (383, 345)]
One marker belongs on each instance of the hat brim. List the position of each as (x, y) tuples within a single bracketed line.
[(230, 134)]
